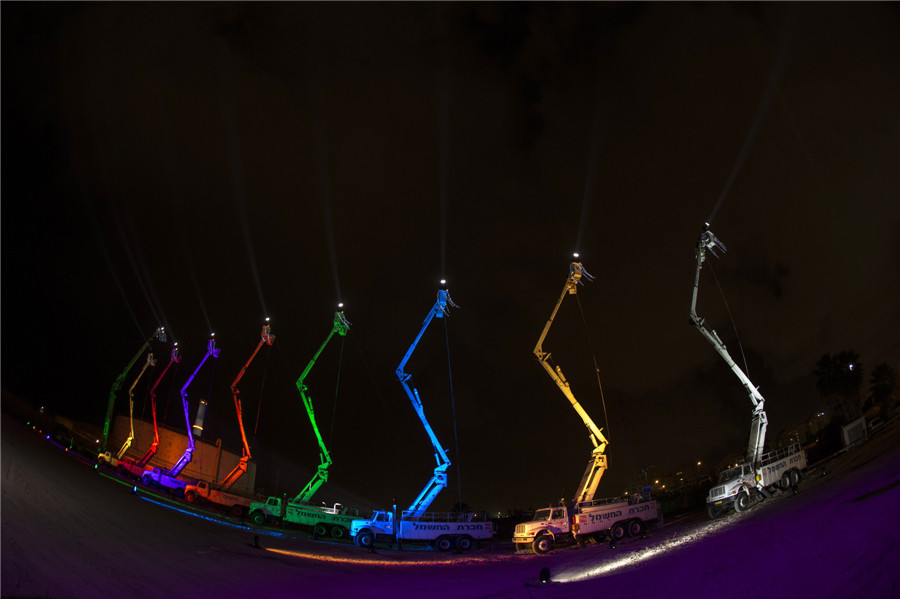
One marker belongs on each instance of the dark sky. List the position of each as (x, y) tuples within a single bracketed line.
[(207, 165)]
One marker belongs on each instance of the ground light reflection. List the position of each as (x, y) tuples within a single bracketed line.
[(383, 562), (641, 555)]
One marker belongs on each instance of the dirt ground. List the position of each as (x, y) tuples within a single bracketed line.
[(69, 532)]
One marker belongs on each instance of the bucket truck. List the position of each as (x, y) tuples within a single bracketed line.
[(160, 335), (325, 521), (106, 457), (202, 491), (761, 474), (443, 531), (584, 516), (169, 478), (136, 468)]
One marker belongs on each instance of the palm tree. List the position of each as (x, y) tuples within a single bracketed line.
[(883, 389), (838, 380)]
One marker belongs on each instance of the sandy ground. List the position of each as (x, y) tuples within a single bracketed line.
[(68, 531)]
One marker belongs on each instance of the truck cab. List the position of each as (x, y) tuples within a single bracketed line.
[(364, 532), (731, 482), (541, 532), (779, 470)]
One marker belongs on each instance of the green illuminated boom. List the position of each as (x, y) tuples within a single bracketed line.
[(341, 326), (160, 335)]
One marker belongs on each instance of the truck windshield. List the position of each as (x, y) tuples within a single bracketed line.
[(730, 474), (542, 514)]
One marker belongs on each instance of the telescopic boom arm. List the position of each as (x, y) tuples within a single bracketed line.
[(709, 242), (597, 464), (341, 326), (439, 481), (145, 459), (241, 468), (160, 335), (150, 362), (185, 458)]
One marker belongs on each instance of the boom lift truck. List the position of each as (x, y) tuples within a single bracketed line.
[(761, 474), (169, 478), (444, 531), (584, 517), (202, 491), (160, 335), (325, 521), (107, 456), (136, 468)]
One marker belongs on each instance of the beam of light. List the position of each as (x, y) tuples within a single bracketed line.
[(325, 189), (778, 66), (443, 159), (195, 282), (375, 560), (112, 269), (143, 279), (140, 272), (91, 211), (237, 172), (152, 302), (589, 181), (642, 555)]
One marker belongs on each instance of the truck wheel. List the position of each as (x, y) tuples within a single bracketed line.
[(463, 543), (365, 539), (338, 532), (236, 511), (258, 518), (795, 477), (786, 481), (617, 532), (542, 544), (320, 530), (635, 528), (742, 502), (713, 510), (191, 496), (146, 480), (444, 543)]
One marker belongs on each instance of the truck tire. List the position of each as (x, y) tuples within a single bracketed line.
[(786, 481), (191, 496), (795, 477), (146, 480), (338, 532), (258, 517), (365, 538), (236, 511), (320, 530), (713, 510), (742, 501), (444, 543), (635, 528), (463, 543), (542, 544), (617, 532)]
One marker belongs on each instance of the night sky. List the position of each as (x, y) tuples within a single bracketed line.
[(204, 166)]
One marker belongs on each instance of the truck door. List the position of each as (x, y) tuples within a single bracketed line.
[(558, 520)]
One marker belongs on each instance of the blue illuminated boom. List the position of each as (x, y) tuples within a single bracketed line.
[(185, 458), (439, 481)]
